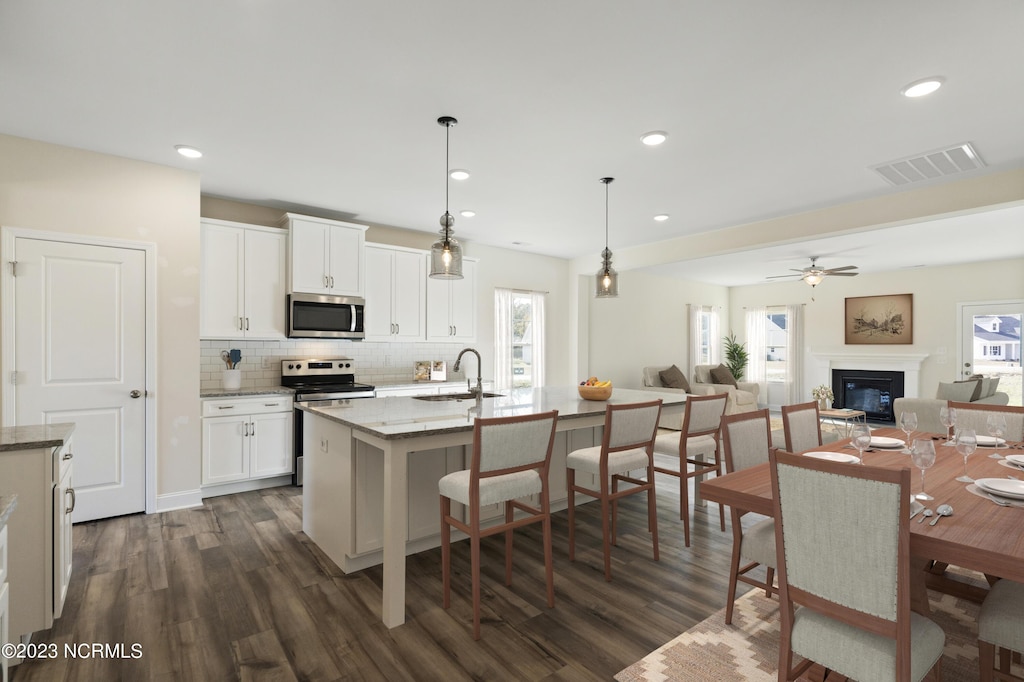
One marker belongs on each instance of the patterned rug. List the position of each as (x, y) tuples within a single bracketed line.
[(748, 650)]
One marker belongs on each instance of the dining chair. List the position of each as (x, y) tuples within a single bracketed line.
[(1000, 627), (627, 445), (693, 444), (802, 426), (975, 416), (510, 461), (842, 538), (746, 441)]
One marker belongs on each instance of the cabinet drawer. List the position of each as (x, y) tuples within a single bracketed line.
[(257, 405)]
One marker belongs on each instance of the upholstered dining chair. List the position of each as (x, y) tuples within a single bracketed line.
[(802, 426), (1000, 627), (693, 445), (843, 557), (510, 461), (746, 440), (627, 445), (975, 416)]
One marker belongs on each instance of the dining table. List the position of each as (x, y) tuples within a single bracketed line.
[(980, 535)]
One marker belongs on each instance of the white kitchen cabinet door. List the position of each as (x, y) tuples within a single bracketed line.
[(379, 293), (451, 306), (266, 272), (395, 294), (326, 256), (368, 476), (63, 506), (222, 279), (427, 468), (270, 444), (225, 449), (410, 283)]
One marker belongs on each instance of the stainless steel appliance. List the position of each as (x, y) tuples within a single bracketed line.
[(325, 317), (320, 382)]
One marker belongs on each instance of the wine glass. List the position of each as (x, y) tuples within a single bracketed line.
[(966, 444), (861, 439), (947, 417), (908, 422), (923, 455), (996, 423)]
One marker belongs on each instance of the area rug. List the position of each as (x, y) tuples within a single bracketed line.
[(748, 650)]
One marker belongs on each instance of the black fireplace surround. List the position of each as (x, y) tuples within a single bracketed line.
[(872, 391)]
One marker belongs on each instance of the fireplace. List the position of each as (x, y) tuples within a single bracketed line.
[(872, 391)]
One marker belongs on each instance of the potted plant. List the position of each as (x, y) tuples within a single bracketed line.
[(736, 356), (823, 394)]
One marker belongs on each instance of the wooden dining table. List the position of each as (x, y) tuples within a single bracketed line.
[(980, 535)]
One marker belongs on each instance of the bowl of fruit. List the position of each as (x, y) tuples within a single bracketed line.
[(595, 389)]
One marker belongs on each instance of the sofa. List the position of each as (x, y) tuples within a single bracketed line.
[(742, 398), (976, 390)]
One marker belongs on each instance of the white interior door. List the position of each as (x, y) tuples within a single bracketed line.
[(80, 356), (990, 338)]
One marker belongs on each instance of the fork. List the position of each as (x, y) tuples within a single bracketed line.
[(1001, 503)]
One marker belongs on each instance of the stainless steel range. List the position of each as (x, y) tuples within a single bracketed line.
[(319, 382)]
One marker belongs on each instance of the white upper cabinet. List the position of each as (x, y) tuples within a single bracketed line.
[(326, 256), (242, 281), (451, 306), (396, 281)]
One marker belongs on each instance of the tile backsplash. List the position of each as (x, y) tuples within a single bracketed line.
[(377, 363)]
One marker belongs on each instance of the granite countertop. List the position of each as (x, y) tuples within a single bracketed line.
[(8, 501), (242, 392), (33, 437), (406, 417)]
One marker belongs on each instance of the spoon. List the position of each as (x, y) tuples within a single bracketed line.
[(943, 510), (925, 514)]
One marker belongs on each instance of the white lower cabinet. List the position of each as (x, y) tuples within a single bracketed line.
[(246, 438), (4, 603)]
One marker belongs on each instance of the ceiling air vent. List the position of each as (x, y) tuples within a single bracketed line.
[(930, 165)]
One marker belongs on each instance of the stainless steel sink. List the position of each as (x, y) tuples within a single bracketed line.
[(457, 396)]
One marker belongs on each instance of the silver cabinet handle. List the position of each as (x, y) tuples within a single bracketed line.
[(398, 328), (67, 456), (246, 427), (74, 501), (253, 425), (136, 394), (225, 407), (240, 324), (332, 281), (247, 324), (325, 282)]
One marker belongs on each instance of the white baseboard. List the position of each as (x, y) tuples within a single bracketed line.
[(245, 486), (183, 500)]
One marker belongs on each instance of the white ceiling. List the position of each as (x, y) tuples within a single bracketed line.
[(330, 106)]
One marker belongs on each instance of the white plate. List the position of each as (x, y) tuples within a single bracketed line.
[(883, 442), (989, 441), (833, 457), (1006, 487), (1018, 460)]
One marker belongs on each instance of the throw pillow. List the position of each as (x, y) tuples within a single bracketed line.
[(986, 389), (960, 391), (993, 387), (978, 381), (722, 375), (673, 377)]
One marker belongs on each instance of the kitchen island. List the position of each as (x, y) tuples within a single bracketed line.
[(372, 468)]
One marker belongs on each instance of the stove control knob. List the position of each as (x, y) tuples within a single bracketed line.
[(299, 366), (348, 364), (291, 366)]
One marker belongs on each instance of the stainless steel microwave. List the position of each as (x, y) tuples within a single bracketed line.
[(325, 317)]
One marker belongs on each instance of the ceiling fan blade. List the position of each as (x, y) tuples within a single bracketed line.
[(845, 267), (784, 276), (843, 274)]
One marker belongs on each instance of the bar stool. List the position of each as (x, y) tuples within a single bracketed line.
[(627, 445), (511, 456)]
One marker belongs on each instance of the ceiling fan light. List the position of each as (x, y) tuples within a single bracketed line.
[(814, 278)]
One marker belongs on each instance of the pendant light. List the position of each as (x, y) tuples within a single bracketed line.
[(607, 279), (446, 253)]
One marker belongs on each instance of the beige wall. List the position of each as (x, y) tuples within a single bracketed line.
[(59, 189), (936, 290)]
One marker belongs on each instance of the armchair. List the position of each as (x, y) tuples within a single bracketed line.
[(742, 397)]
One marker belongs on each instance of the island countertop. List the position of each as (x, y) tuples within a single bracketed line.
[(35, 436), (405, 417)]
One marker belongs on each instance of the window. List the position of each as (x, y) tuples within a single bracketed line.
[(704, 335), (996, 350), (519, 339), (706, 323), (777, 343)]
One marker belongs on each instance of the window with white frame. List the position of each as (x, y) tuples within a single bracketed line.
[(776, 344), (519, 338)]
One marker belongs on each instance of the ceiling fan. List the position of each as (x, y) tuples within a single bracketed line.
[(813, 275)]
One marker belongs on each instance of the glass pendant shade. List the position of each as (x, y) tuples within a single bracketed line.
[(813, 278), (606, 281), (446, 253)]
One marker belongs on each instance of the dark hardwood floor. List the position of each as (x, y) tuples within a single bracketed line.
[(235, 590)]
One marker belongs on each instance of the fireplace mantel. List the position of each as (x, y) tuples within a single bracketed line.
[(908, 363)]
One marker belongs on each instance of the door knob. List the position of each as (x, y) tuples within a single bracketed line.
[(136, 394)]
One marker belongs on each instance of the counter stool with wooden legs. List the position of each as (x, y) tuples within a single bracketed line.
[(511, 457), (702, 419), (627, 445)]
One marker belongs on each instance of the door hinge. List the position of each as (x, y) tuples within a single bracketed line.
[(14, 268), (14, 377)]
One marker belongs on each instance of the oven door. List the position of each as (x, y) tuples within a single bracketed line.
[(328, 317)]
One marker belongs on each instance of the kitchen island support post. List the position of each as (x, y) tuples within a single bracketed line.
[(396, 514)]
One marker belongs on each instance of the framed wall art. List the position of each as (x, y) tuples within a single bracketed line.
[(887, 320)]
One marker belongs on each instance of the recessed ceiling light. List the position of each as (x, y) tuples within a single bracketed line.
[(654, 138), (459, 174), (925, 86), (467, 213), (661, 217), (188, 152)]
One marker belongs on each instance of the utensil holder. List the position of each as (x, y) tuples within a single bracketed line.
[(231, 379)]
